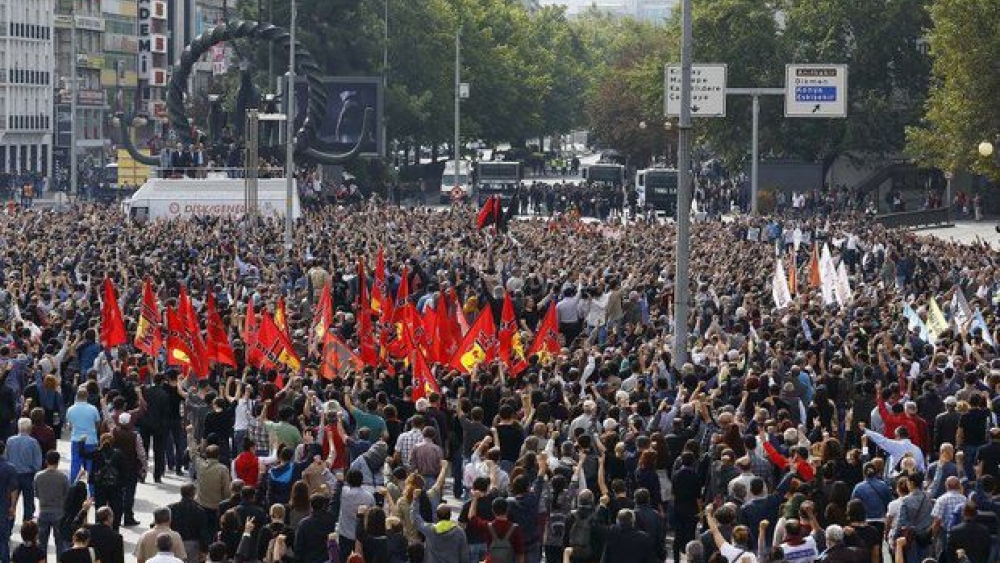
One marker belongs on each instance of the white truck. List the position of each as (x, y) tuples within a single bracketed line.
[(165, 198), (456, 181)]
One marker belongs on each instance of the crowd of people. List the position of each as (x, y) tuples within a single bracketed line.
[(807, 433)]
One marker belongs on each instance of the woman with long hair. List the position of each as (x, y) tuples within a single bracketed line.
[(298, 506), (647, 478), (372, 540)]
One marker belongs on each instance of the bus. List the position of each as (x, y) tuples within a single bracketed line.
[(497, 178), (456, 182), (606, 174), (656, 188)]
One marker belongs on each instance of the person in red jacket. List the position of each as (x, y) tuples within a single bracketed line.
[(246, 466), (799, 460), (499, 527), (915, 426)]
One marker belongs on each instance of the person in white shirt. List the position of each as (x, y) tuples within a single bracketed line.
[(737, 551), (164, 550), (897, 448)]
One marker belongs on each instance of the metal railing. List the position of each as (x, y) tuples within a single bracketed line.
[(215, 172), (923, 218)]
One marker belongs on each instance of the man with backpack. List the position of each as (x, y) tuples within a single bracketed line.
[(504, 539), (581, 536)]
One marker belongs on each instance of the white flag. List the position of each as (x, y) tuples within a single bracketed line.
[(978, 322), (828, 277), (915, 323), (844, 294), (960, 310), (779, 287)]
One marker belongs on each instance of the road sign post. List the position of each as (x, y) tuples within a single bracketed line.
[(708, 90), (816, 90)]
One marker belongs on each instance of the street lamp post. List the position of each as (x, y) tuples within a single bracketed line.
[(683, 251), (73, 73), (290, 139), (458, 104)]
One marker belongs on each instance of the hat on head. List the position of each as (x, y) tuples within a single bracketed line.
[(124, 418)]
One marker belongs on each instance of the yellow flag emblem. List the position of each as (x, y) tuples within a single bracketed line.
[(473, 357)]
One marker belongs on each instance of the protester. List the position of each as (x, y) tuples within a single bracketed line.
[(51, 489), (395, 349)]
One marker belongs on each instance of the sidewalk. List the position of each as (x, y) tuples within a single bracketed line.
[(967, 232)]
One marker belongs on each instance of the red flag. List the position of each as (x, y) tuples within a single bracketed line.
[(489, 213), (366, 336), (444, 344), (268, 344), (148, 336), (281, 317), (337, 356), (178, 341), (428, 322), (459, 315), (511, 350), (546, 341), (390, 322), (322, 318), (218, 348), (112, 322), (815, 279), (424, 382), (379, 289), (793, 274), (479, 346), (199, 355)]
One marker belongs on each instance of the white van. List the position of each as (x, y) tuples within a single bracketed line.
[(463, 175), (165, 198)]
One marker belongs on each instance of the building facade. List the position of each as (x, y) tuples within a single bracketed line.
[(26, 79), (120, 76), (154, 58), (85, 63)]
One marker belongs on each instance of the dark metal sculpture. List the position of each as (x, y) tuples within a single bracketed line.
[(305, 66)]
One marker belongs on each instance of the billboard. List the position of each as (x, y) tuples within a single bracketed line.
[(347, 98)]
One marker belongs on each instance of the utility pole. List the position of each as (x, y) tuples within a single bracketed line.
[(385, 78), (755, 155), (458, 104), (682, 274), (290, 140), (74, 188)]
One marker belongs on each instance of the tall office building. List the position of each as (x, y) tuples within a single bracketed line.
[(85, 63), (119, 76), (26, 65)]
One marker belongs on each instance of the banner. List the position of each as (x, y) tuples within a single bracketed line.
[(936, 323), (779, 286)]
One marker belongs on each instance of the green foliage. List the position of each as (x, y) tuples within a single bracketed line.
[(962, 109), (626, 73), (887, 72)]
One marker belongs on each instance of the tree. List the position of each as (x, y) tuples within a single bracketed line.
[(745, 35), (562, 58), (962, 109), (888, 72), (626, 70)]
